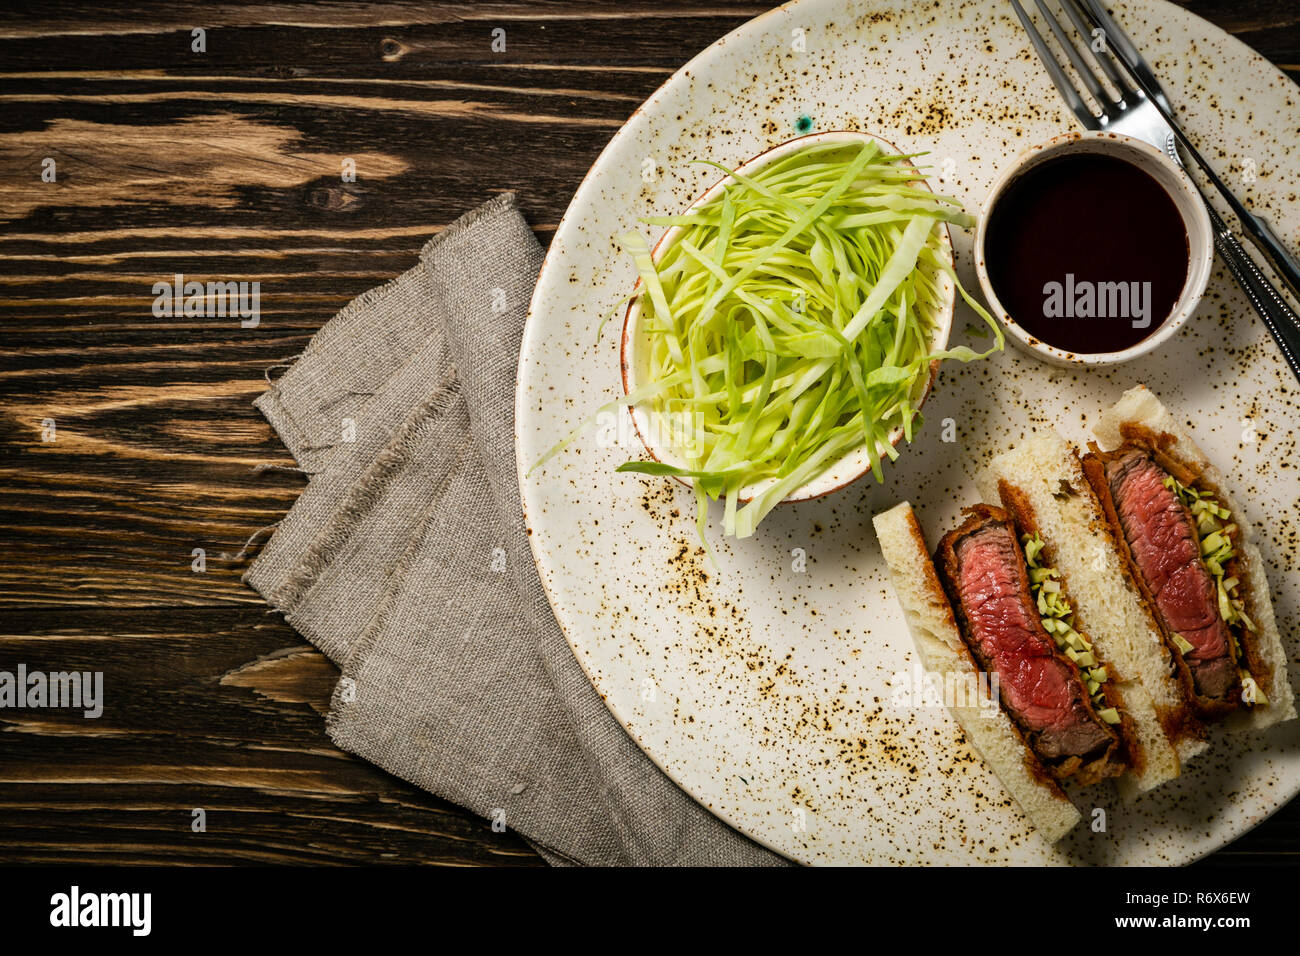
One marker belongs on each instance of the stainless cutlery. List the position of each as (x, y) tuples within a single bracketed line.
[(1142, 110)]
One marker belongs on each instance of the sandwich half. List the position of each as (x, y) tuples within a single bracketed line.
[(1041, 484), (1189, 550), (1046, 727)]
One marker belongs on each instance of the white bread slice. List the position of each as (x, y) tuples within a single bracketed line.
[(1139, 406), (1046, 473), (941, 650)]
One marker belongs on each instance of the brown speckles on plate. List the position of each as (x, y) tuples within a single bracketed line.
[(762, 683)]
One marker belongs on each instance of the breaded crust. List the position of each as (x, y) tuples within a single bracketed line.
[(941, 649), (1140, 417)]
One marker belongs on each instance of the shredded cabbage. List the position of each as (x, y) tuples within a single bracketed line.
[(1055, 612), (792, 321), (1217, 550)]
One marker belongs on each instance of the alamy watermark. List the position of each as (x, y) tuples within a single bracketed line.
[(920, 688), (74, 908), (78, 690), (194, 299), (1098, 300), (677, 432)]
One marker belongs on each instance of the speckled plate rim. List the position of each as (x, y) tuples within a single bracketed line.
[(564, 614), (531, 330)]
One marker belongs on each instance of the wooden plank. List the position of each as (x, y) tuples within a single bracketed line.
[(212, 708), (226, 164)]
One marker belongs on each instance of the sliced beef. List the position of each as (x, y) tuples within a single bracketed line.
[(1161, 535), (983, 570)]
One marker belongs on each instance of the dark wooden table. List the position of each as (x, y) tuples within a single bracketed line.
[(227, 163)]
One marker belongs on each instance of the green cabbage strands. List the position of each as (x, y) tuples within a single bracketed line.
[(791, 322)]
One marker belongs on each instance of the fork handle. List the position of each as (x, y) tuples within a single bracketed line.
[(1254, 227), (1277, 252), (1280, 319)]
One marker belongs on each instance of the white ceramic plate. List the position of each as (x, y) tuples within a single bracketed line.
[(763, 686)]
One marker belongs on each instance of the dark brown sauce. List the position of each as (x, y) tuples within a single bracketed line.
[(1087, 253)]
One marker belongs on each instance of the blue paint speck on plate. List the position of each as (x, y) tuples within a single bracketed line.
[(804, 124)]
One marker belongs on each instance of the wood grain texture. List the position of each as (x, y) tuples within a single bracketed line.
[(226, 165)]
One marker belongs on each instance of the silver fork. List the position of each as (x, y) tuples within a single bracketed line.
[(1135, 115)]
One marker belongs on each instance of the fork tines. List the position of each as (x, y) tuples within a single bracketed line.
[(1098, 52)]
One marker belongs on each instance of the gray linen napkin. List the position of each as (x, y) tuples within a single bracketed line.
[(406, 562)]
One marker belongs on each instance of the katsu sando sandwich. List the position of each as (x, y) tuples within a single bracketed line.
[(1087, 601), (1118, 599), (1071, 737), (1190, 552), (1053, 685), (992, 600)]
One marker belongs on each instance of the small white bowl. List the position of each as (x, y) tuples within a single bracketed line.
[(1186, 199), (634, 358)]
